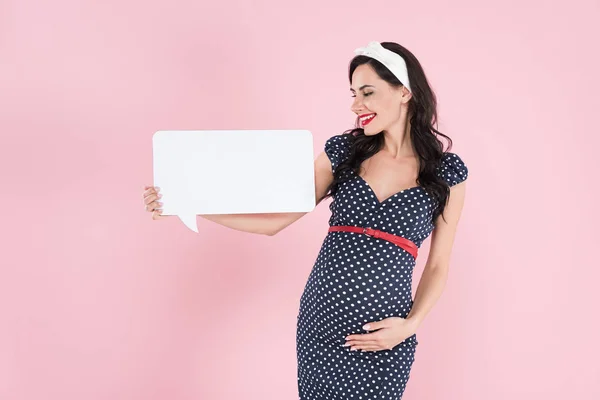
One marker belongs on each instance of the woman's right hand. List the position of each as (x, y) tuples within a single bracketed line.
[(151, 197)]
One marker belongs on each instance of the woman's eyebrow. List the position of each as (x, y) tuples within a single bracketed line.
[(362, 87)]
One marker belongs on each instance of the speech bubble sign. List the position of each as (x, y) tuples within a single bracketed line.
[(233, 172)]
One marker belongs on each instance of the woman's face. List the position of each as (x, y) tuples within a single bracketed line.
[(378, 104)]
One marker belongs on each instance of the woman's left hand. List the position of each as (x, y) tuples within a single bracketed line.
[(389, 333)]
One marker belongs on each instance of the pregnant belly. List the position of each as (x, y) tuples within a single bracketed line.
[(347, 301)]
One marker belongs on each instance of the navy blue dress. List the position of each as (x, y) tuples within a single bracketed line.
[(358, 279)]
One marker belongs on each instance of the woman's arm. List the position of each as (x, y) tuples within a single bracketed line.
[(435, 272), (272, 223), (262, 224)]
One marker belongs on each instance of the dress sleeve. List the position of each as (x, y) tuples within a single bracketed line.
[(453, 170), (337, 149)]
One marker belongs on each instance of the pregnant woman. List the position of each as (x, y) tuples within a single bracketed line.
[(392, 185)]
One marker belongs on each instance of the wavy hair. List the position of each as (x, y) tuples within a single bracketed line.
[(422, 109)]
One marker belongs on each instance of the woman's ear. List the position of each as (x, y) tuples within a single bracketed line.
[(405, 94)]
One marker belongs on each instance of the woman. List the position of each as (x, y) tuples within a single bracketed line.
[(392, 185)]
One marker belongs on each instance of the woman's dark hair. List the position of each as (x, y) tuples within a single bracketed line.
[(422, 108)]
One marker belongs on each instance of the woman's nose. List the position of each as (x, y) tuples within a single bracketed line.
[(356, 106)]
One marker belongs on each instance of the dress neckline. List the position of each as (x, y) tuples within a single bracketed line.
[(389, 197)]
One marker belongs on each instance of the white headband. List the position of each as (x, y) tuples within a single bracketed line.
[(392, 61)]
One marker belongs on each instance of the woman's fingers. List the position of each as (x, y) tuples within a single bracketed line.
[(148, 190), (151, 198), (367, 345), (372, 348), (353, 342), (153, 206), (151, 203), (366, 348), (157, 214)]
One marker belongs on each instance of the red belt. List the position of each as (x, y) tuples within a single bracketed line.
[(397, 240)]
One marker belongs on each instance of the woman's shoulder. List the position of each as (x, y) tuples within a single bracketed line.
[(341, 141), (453, 169), (337, 148)]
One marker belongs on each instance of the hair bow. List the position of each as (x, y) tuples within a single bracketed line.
[(392, 61)]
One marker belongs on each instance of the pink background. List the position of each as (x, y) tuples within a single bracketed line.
[(97, 301)]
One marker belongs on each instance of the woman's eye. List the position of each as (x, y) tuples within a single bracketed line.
[(366, 94)]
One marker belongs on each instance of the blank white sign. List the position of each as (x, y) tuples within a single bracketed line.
[(233, 172)]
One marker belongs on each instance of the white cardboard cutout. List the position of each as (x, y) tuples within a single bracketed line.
[(233, 172)]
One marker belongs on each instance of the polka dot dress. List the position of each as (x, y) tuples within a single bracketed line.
[(358, 279)]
